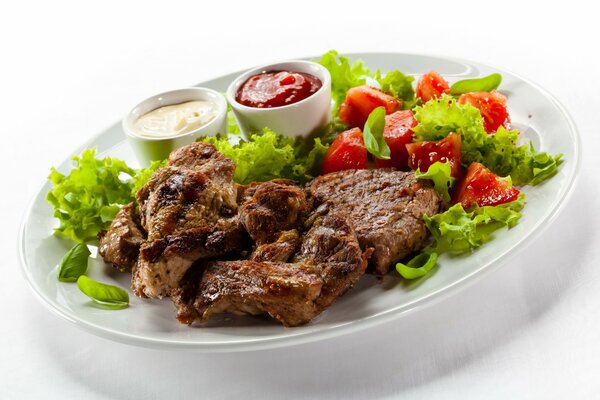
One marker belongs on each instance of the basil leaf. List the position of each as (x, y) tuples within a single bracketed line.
[(485, 84), (440, 174), (109, 296), (74, 263), (418, 266), (373, 134)]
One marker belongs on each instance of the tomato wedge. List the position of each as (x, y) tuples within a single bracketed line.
[(347, 151), (431, 86), (492, 106), (422, 154), (481, 186), (397, 133), (361, 100)]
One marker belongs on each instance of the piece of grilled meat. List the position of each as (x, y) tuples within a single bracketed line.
[(384, 206), (120, 245), (329, 263), (189, 210), (271, 208)]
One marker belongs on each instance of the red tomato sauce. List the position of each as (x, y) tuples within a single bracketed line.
[(277, 89)]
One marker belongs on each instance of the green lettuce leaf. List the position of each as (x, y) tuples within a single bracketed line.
[(398, 85), (86, 200), (344, 75), (499, 152), (440, 174), (268, 155), (458, 231), (439, 117)]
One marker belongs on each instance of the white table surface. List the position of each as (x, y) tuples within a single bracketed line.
[(529, 330)]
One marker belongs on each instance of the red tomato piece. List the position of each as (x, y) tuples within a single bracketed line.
[(431, 86), (361, 100), (492, 106), (422, 154), (483, 187), (397, 133), (347, 151)]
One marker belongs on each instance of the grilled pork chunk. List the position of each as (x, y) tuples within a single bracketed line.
[(120, 245), (384, 206), (329, 263), (189, 210)]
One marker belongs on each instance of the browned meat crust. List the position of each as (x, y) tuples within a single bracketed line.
[(189, 210), (120, 245), (330, 262), (385, 207), (272, 208), (307, 246), (286, 245)]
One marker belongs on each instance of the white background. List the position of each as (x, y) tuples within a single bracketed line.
[(528, 330)]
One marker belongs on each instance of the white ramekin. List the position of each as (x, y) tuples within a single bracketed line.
[(151, 149), (301, 119)]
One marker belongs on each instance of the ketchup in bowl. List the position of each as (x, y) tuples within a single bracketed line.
[(277, 89)]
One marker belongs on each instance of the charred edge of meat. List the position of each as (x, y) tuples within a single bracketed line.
[(120, 245), (183, 296), (329, 263), (286, 245), (202, 239), (273, 208), (385, 207)]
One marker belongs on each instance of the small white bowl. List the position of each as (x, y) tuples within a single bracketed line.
[(301, 119), (150, 149)]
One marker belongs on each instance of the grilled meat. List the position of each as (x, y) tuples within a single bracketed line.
[(384, 206), (189, 210), (329, 263), (272, 207), (120, 245), (307, 246)]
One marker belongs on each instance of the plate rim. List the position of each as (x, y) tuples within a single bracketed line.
[(341, 328)]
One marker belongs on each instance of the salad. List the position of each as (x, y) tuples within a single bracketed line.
[(458, 135)]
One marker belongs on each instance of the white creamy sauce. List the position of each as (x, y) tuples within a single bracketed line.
[(175, 120)]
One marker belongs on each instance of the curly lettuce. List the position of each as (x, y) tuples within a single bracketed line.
[(267, 155), (346, 75), (459, 231), (499, 152), (87, 199)]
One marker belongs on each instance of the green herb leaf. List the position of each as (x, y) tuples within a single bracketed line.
[(485, 84), (109, 296), (373, 134), (74, 263), (440, 174), (418, 266)]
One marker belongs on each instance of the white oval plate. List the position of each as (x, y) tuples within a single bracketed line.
[(152, 323)]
